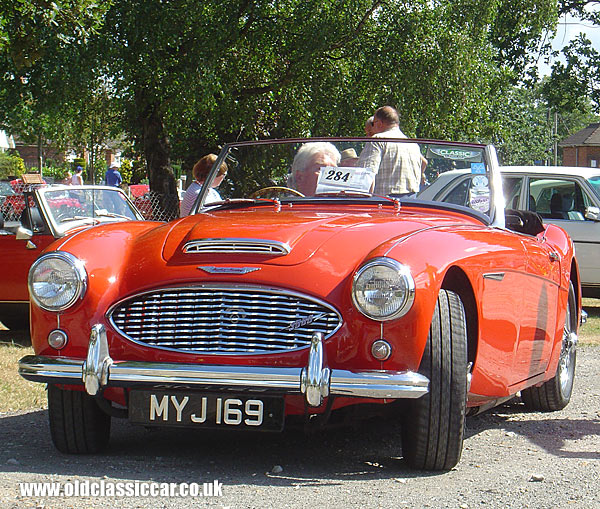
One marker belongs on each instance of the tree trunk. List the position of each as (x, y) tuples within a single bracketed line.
[(157, 151)]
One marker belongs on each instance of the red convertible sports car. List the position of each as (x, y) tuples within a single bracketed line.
[(293, 290), (52, 213)]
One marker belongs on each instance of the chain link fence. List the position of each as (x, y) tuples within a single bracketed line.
[(12, 200), (158, 207)]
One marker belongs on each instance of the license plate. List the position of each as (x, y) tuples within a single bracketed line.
[(206, 410)]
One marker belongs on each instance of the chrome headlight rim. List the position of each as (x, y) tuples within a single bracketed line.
[(78, 270), (403, 271)]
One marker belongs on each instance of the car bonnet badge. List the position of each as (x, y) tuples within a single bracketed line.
[(307, 320), (227, 270)]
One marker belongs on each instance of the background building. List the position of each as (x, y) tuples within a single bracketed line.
[(582, 148)]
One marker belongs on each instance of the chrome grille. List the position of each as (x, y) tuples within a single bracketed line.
[(221, 319), (259, 246)]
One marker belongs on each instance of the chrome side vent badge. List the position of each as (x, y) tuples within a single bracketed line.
[(248, 246), (227, 270)]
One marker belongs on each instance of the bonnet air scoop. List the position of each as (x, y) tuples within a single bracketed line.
[(231, 245)]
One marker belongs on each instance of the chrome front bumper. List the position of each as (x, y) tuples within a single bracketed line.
[(315, 381)]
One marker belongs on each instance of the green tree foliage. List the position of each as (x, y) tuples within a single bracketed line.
[(126, 171), (60, 173), (527, 127), (205, 73), (181, 77), (518, 31), (42, 65), (30, 29), (10, 166), (524, 128), (576, 81)]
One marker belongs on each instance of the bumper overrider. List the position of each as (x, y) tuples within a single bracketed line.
[(315, 381)]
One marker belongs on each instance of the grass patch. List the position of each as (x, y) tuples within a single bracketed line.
[(589, 333), (16, 393)]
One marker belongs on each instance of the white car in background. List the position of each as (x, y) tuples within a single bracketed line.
[(562, 195)]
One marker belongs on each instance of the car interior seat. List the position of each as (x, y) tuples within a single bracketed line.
[(571, 208), (557, 207), (532, 204)]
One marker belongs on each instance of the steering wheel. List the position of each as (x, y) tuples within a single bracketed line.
[(275, 190)]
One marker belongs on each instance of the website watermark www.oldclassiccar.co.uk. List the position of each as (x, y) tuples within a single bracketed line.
[(120, 489)]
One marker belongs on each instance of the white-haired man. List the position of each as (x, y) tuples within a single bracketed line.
[(308, 161)]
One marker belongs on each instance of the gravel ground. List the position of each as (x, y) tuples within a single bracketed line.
[(511, 459)]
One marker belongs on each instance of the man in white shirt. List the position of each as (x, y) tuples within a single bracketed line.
[(398, 167)]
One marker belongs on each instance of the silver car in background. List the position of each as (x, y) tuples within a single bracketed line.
[(562, 195)]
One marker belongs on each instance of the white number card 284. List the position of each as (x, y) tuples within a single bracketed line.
[(333, 179)]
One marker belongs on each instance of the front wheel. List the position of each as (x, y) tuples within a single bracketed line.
[(433, 425), (77, 424), (555, 394)]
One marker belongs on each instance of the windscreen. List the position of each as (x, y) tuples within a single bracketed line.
[(376, 167), (69, 205)]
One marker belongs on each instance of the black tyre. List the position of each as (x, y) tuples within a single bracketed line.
[(555, 394), (433, 425), (77, 424)]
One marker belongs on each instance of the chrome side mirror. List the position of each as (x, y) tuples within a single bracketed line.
[(592, 213), (23, 233)]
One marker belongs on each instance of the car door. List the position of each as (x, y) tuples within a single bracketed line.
[(539, 311), (17, 255), (537, 316), (575, 198)]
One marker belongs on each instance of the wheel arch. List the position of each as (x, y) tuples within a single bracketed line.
[(457, 281)]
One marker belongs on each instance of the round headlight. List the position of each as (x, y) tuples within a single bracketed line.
[(383, 289), (57, 280)]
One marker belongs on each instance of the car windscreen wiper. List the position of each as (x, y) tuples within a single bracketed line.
[(76, 218), (105, 213)]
